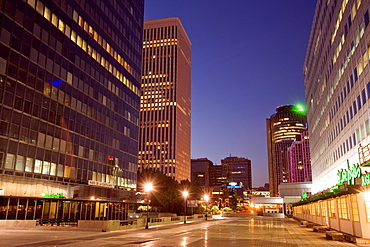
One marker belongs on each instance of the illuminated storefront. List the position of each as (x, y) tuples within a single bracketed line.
[(344, 207)]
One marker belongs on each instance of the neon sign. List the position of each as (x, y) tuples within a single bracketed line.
[(349, 175), (56, 82), (58, 195), (366, 179), (304, 195)]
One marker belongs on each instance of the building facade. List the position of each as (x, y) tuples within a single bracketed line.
[(200, 171), (165, 109), (282, 128), (300, 159), (337, 88), (70, 99), (238, 170)]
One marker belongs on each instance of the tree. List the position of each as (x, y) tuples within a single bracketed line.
[(165, 195)]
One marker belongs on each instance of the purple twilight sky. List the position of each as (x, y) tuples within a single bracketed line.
[(247, 59)]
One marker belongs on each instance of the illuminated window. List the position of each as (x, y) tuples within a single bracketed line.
[(32, 3), (38, 165), (54, 20), (79, 41), (86, 27), (354, 208), (331, 205), (80, 21), (75, 16), (53, 169), (66, 171), (47, 14), (84, 45), (73, 36), (9, 161), (40, 7), (29, 165), (61, 25), (46, 168), (47, 89), (343, 208), (67, 31), (324, 211)]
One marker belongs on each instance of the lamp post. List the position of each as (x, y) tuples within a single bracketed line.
[(185, 194), (147, 188), (206, 198)]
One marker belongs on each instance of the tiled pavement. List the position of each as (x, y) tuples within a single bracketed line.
[(249, 231)]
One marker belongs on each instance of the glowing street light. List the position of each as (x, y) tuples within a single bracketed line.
[(147, 188), (185, 194), (206, 198)]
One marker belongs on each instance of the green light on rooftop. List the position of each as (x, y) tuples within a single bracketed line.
[(300, 108)]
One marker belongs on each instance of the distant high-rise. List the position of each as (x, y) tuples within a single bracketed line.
[(215, 176), (282, 128), (166, 99), (239, 170), (200, 171), (69, 107), (299, 159)]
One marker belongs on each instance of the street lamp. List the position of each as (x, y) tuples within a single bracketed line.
[(206, 198), (147, 188), (185, 194)]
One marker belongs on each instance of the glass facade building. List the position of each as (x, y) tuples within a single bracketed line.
[(69, 99), (337, 88), (282, 128), (165, 109), (300, 159)]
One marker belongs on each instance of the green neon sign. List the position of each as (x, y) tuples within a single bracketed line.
[(304, 195), (58, 195), (349, 175), (366, 179)]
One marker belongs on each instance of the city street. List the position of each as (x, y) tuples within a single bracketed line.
[(250, 231)]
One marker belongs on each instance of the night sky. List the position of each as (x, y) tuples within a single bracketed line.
[(247, 59)]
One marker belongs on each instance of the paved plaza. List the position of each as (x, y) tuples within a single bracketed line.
[(249, 231)]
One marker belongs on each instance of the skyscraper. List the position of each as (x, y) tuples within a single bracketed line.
[(166, 99), (337, 88), (299, 159), (336, 80), (282, 128), (69, 91)]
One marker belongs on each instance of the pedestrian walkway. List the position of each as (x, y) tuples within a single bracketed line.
[(303, 236), (249, 232)]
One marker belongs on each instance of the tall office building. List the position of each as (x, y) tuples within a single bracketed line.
[(69, 93), (299, 159), (337, 88), (166, 99), (238, 170), (282, 128), (336, 80)]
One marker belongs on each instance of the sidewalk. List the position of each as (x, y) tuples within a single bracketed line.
[(301, 234), (246, 232)]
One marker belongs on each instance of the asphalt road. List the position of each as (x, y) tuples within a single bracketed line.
[(250, 231)]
